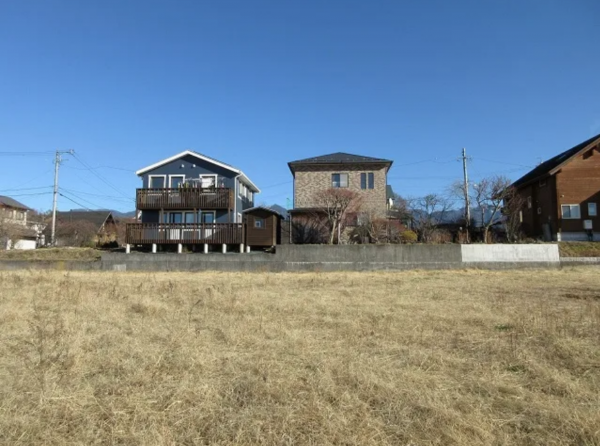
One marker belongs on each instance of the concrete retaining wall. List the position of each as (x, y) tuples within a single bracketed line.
[(323, 258), (547, 253), (58, 265)]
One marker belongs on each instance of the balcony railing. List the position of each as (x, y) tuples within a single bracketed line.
[(184, 198), (185, 233)]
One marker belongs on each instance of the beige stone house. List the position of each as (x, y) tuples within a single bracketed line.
[(364, 175)]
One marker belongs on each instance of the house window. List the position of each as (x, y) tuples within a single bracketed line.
[(592, 212), (207, 217), (529, 203), (239, 218), (259, 223), (242, 190), (175, 181), (367, 180), (250, 195), (189, 217), (208, 181), (156, 181), (570, 211), (339, 180)]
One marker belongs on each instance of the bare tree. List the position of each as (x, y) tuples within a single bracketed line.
[(512, 210), (10, 232), (427, 213), (337, 204), (490, 194)]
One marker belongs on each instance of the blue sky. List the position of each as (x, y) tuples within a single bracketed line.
[(260, 83)]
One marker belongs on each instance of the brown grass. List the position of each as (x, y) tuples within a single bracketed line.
[(84, 254), (415, 358), (579, 249)]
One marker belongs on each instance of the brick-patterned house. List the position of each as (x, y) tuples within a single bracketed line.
[(364, 175), (561, 195)]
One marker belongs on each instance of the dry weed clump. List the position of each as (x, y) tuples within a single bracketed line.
[(412, 358)]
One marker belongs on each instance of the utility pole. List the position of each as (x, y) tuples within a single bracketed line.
[(466, 191), (57, 161)]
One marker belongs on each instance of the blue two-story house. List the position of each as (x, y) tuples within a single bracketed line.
[(191, 199)]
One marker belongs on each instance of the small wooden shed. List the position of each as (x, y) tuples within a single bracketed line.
[(263, 227)]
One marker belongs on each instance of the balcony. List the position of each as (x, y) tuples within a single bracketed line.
[(185, 233), (184, 198)]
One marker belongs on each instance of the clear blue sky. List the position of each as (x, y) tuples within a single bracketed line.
[(259, 83)]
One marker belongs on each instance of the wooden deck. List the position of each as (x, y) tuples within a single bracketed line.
[(184, 198), (185, 233)]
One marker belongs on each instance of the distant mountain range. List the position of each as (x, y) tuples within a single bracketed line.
[(130, 214)]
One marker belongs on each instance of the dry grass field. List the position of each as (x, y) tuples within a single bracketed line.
[(412, 358)]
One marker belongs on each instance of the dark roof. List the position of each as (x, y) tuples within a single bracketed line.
[(340, 158), (264, 208), (389, 192), (548, 166), (96, 217), (280, 209), (11, 202)]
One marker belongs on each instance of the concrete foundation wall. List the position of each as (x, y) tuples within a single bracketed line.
[(510, 253)]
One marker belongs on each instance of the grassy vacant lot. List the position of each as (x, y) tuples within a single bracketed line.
[(579, 249), (84, 254), (414, 358)]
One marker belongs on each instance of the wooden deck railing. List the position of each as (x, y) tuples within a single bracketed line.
[(184, 198), (185, 233)]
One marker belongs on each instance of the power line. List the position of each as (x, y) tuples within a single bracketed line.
[(46, 153), (78, 204), (81, 198), (128, 200), (31, 195), (26, 188), (503, 162), (99, 176), (104, 167)]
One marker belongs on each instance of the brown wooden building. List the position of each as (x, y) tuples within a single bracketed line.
[(561, 195), (263, 227)]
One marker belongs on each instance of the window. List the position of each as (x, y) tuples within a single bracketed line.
[(175, 181), (207, 217), (250, 195), (570, 211), (259, 223), (208, 181), (156, 181), (242, 190), (592, 212), (339, 180), (367, 180), (189, 217), (239, 218), (529, 202)]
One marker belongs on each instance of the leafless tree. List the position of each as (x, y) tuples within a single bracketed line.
[(337, 204), (512, 210), (489, 194), (427, 213), (10, 232)]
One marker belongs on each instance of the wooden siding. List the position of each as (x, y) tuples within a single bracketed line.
[(266, 236), (578, 182), (185, 233), (184, 198)]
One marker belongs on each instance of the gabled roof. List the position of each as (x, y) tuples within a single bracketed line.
[(202, 157), (98, 218), (341, 158), (264, 208), (551, 166), (11, 202)]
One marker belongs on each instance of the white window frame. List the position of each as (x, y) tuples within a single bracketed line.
[(200, 214), (571, 206), (250, 193), (164, 177), (590, 213), (176, 176), (242, 190), (261, 221), (209, 175), (340, 184)]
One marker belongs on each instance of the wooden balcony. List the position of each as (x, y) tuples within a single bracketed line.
[(184, 198), (185, 233)]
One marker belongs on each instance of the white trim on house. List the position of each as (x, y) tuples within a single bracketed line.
[(209, 175), (201, 157), (571, 207), (164, 177), (176, 175)]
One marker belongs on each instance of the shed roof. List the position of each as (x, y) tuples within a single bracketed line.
[(550, 166), (11, 202), (263, 208)]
